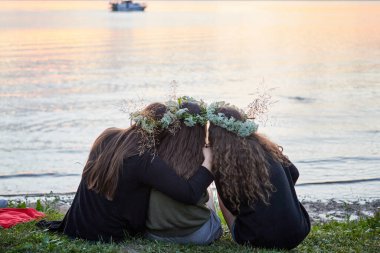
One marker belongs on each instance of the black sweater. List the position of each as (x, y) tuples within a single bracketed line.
[(283, 224), (93, 217)]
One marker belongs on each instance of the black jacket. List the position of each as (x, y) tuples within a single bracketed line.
[(93, 217), (283, 224)]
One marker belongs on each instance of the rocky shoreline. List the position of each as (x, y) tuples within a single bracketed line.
[(324, 211), (319, 211)]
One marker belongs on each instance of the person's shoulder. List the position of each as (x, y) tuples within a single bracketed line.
[(276, 169), (111, 130), (152, 158), (145, 159), (272, 162)]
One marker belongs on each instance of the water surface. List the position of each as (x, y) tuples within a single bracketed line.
[(66, 66)]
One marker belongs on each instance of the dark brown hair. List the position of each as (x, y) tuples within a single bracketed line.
[(105, 161), (183, 151), (240, 164)]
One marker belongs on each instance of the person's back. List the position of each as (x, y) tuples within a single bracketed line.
[(82, 211), (255, 183), (93, 217), (112, 199), (170, 220), (281, 223)]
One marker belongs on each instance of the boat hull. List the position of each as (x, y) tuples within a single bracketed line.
[(124, 7)]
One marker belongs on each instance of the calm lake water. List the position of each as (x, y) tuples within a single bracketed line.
[(66, 66)]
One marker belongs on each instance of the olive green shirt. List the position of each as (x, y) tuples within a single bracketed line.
[(168, 217)]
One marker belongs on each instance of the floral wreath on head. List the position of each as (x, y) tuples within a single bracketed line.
[(241, 128), (171, 117), (147, 123), (170, 121), (189, 119), (149, 129)]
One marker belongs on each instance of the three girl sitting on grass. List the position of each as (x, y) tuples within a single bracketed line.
[(151, 180)]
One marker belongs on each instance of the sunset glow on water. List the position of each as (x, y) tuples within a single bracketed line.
[(66, 66)]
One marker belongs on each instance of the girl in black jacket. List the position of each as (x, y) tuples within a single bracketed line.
[(255, 183), (112, 199)]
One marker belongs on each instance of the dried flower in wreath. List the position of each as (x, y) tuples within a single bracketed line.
[(188, 118), (149, 127), (173, 86), (259, 107)]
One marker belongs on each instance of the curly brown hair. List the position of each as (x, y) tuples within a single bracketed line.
[(240, 164), (183, 151)]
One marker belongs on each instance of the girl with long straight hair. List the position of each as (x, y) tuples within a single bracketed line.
[(113, 196), (255, 183), (172, 221)]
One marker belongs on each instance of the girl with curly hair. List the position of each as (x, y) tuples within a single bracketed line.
[(255, 183)]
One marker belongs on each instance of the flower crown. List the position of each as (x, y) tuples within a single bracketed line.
[(183, 114), (147, 123), (241, 128), (150, 127), (171, 119)]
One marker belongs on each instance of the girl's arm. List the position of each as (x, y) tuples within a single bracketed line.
[(160, 176)]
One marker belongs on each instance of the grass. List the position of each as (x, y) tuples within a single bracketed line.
[(362, 235)]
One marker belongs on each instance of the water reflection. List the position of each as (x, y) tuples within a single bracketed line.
[(66, 66)]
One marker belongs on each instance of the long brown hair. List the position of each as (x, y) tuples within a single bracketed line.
[(105, 161), (183, 151), (240, 164)]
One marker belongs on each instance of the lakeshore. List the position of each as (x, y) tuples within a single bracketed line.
[(320, 211), (68, 65), (337, 226)]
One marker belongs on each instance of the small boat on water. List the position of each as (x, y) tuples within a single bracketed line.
[(127, 6)]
